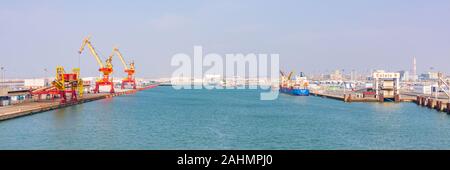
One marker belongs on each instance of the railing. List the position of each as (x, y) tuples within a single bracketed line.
[(443, 89)]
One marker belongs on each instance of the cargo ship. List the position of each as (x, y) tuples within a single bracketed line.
[(295, 91), (297, 86)]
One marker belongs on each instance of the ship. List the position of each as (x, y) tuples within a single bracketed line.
[(297, 86)]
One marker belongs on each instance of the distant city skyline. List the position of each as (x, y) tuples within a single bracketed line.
[(310, 36)]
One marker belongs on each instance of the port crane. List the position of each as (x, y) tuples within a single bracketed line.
[(285, 79), (129, 70), (290, 75), (288, 81), (106, 69), (64, 83)]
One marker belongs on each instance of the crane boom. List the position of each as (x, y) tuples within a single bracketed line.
[(282, 73), (91, 48), (121, 57), (290, 75)]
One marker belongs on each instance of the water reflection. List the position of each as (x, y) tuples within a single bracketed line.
[(386, 106)]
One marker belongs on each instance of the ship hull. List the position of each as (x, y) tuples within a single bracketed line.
[(295, 92)]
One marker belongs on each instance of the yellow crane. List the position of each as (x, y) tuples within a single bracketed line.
[(129, 70), (290, 75), (64, 83), (106, 69)]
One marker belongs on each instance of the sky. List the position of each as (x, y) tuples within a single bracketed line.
[(311, 36)]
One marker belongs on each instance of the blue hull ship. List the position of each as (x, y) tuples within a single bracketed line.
[(294, 91)]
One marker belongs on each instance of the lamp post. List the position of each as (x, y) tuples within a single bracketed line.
[(343, 79), (3, 75)]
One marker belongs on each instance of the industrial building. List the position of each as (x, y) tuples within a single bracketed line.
[(404, 75), (9, 97), (429, 76), (36, 83), (15, 84)]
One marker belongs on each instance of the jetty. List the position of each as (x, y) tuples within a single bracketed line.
[(440, 103), (33, 107)]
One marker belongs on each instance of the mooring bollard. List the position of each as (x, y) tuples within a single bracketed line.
[(381, 98), (438, 105), (431, 103), (448, 107)]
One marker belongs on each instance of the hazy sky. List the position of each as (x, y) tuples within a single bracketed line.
[(310, 36)]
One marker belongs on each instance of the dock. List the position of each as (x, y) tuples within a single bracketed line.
[(441, 104), (346, 97), (328, 95), (33, 107)]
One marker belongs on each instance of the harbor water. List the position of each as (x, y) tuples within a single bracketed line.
[(164, 118)]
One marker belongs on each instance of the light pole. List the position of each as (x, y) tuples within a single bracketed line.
[(46, 73), (343, 79), (3, 76)]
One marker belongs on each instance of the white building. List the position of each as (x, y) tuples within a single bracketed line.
[(404, 75), (430, 76), (423, 89), (36, 83), (89, 83)]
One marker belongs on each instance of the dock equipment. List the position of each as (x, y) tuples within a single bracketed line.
[(64, 83), (288, 81), (106, 69), (387, 86), (129, 70), (443, 86)]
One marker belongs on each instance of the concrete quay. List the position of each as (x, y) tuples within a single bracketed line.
[(33, 107), (440, 104)]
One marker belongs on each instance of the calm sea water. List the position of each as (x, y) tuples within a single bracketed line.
[(163, 118)]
